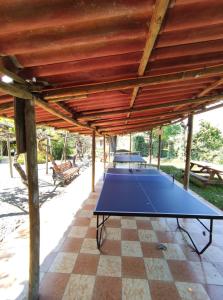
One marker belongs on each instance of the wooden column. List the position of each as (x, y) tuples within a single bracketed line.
[(25, 162), (47, 149), (159, 150), (9, 156), (188, 152), (109, 149), (130, 142), (1, 149), (63, 157), (150, 147), (33, 189), (93, 162), (104, 144)]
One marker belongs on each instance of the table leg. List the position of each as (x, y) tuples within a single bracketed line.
[(210, 230)]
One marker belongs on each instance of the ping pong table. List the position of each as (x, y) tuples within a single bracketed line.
[(129, 158), (149, 192)]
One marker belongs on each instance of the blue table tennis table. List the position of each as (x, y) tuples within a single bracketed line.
[(149, 192), (129, 158)]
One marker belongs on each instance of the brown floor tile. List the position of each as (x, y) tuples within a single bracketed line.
[(115, 223), (81, 221), (165, 237), (89, 207), (151, 250), (107, 288), (182, 271), (91, 233), (143, 224), (162, 290), (71, 245), (111, 247), (53, 286), (130, 235), (215, 292), (86, 264), (133, 267)]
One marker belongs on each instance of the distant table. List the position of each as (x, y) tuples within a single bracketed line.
[(211, 170), (129, 158), (149, 192)]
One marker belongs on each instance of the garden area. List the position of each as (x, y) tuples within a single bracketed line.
[(207, 146)]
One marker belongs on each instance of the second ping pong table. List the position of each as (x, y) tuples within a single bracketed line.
[(149, 192), (129, 158)]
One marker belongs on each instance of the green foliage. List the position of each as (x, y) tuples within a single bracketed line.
[(207, 143), (41, 158), (58, 148), (169, 141), (140, 145)]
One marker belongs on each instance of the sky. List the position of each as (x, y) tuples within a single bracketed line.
[(215, 117)]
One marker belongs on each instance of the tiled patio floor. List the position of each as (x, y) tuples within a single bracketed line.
[(130, 266)]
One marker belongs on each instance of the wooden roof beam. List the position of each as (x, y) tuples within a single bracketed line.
[(19, 92), (147, 117), (132, 82), (93, 116), (158, 16), (210, 88), (108, 129), (5, 106)]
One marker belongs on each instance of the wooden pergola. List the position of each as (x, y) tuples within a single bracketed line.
[(106, 69)]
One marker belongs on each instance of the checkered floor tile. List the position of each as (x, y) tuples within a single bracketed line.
[(130, 265)]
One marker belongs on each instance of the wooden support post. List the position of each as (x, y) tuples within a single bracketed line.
[(130, 142), (1, 149), (93, 162), (159, 150), (104, 144), (150, 146), (63, 157), (25, 163), (9, 156), (109, 149), (188, 152), (33, 189), (47, 149)]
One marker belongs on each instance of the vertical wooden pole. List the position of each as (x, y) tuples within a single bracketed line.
[(188, 152), (1, 148), (64, 149), (47, 149), (159, 150), (93, 162), (130, 143), (33, 189), (150, 147), (109, 149), (25, 163), (104, 144), (9, 156)]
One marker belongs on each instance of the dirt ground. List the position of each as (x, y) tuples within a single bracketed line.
[(14, 194)]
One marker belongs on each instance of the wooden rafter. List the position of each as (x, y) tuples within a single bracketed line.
[(22, 93), (158, 16), (132, 82), (142, 123), (151, 107), (210, 88), (5, 106)]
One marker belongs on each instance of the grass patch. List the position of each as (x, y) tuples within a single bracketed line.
[(213, 194)]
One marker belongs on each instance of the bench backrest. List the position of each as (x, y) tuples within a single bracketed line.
[(62, 167)]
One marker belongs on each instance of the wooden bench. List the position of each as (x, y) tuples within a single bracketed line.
[(64, 172)]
